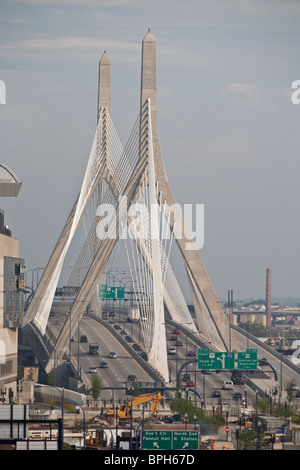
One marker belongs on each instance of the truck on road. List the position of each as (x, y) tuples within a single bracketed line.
[(133, 315), (94, 349)]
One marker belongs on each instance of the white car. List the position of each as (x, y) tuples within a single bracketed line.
[(93, 370), (113, 355), (172, 350)]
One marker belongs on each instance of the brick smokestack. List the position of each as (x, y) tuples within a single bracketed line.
[(268, 297)]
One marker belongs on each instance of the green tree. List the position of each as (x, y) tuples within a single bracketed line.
[(183, 406), (289, 389), (96, 387), (247, 439), (51, 377)]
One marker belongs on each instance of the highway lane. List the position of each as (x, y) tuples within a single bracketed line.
[(282, 365), (208, 382), (118, 370)]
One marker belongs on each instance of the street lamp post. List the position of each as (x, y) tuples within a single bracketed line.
[(258, 435), (83, 412), (237, 434), (131, 423)]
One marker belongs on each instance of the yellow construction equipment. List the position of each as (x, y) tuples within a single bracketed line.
[(97, 440), (125, 409)]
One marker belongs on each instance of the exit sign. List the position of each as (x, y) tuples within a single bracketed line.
[(215, 360), (247, 360), (110, 292)]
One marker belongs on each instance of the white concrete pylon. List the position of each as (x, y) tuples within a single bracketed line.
[(158, 352)]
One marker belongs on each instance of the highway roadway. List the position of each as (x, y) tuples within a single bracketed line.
[(115, 376), (283, 366)]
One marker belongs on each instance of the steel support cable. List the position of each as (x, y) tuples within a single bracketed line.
[(91, 242)]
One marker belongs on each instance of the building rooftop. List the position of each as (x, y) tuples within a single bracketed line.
[(10, 183)]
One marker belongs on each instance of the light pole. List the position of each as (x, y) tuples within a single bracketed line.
[(258, 435), (237, 434), (83, 425), (131, 423)]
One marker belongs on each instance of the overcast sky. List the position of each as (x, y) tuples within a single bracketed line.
[(228, 129)]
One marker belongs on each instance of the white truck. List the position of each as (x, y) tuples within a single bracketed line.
[(133, 315)]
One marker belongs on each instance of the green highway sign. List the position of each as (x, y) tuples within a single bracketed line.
[(167, 440), (102, 290), (185, 440), (203, 352), (215, 360), (247, 360), (157, 440), (107, 292)]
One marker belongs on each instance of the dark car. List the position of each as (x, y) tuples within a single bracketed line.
[(191, 353), (131, 378), (103, 365), (112, 314), (237, 396), (83, 339), (186, 377), (179, 343), (216, 394)]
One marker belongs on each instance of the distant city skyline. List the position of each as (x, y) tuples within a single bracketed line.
[(228, 126)]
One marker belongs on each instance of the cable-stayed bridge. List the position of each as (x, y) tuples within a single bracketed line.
[(125, 195)]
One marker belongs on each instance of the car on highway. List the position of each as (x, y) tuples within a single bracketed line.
[(112, 314), (176, 331), (191, 353), (83, 339), (179, 343), (93, 370), (112, 355), (228, 385), (171, 350), (237, 396), (216, 393), (173, 338), (131, 378), (103, 365), (186, 376), (190, 383)]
